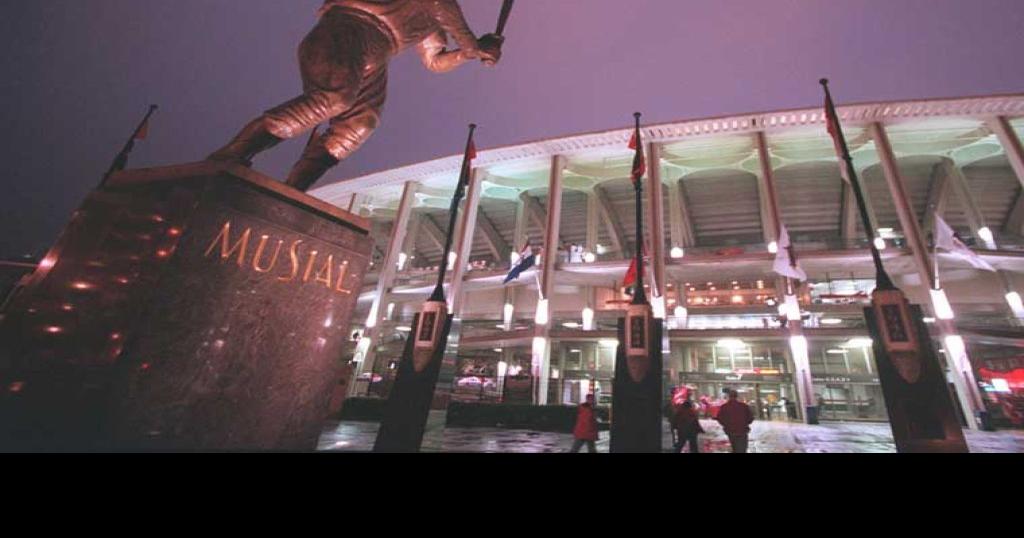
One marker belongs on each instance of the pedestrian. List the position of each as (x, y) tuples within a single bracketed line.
[(687, 426), (586, 426), (735, 418)]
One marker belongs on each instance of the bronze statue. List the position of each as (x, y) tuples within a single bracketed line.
[(343, 62)]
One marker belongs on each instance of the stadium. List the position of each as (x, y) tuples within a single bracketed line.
[(717, 193)]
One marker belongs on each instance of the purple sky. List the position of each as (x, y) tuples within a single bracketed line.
[(78, 74)]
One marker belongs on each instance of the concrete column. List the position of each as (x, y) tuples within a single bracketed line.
[(553, 230), (797, 340), (938, 199), (464, 244), (1011, 144), (593, 227), (518, 241), (975, 218), (540, 366), (848, 217), (680, 231), (959, 364), (656, 227), (385, 281), (593, 222)]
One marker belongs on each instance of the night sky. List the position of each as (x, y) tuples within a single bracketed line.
[(78, 74)]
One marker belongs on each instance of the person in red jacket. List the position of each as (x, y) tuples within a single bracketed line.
[(687, 425), (586, 427), (735, 418)]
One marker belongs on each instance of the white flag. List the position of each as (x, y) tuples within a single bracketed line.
[(947, 240), (785, 262)]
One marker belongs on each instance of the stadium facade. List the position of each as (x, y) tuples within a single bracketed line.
[(715, 194)]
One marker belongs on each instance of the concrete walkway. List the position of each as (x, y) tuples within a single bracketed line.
[(766, 437)]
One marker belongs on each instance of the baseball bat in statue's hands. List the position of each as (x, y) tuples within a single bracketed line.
[(491, 44)]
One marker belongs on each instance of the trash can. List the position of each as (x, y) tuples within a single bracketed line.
[(986, 421), (812, 415)]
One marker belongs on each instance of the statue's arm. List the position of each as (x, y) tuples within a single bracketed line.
[(436, 56), (449, 15)]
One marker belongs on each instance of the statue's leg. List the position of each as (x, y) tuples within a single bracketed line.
[(345, 135), (332, 63)]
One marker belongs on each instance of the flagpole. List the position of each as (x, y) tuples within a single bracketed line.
[(882, 279), (935, 260), (460, 190), (639, 296), (122, 158)]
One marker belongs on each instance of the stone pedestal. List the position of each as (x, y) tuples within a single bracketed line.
[(193, 307), (423, 384), (637, 394), (920, 405)]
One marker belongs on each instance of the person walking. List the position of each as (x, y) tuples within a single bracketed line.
[(735, 418), (586, 426), (687, 426)]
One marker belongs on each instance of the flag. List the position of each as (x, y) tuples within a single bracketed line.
[(785, 258), (835, 131), (947, 240), (630, 277), (526, 260), (639, 161), (143, 131), (467, 165)]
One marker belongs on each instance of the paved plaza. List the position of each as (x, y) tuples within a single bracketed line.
[(766, 437)]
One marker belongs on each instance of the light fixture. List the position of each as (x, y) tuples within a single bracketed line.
[(402, 258), (880, 243), (985, 234), (731, 343), (956, 347), (589, 257), (830, 321), (539, 345), (509, 310), (836, 351), (798, 344), (943, 310), (452, 257), (1014, 300), (773, 247), (541, 317), (571, 325), (858, 342), (607, 342), (404, 329), (677, 253), (371, 320), (658, 307), (601, 249), (588, 319)]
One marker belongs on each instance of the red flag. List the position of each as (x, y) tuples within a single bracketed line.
[(639, 161), (630, 275), (143, 130), (832, 124)]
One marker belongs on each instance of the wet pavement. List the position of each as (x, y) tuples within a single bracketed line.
[(765, 437)]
